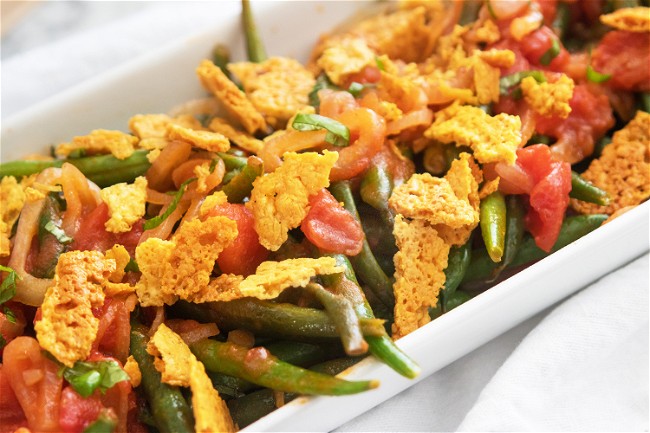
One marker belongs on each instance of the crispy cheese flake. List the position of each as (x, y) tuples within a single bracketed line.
[(133, 370), (152, 129), (235, 101), (487, 32), (240, 138), (13, 199), (349, 56), (419, 273), (271, 278), (119, 144), (68, 327), (549, 98), (179, 366), (181, 268), (126, 204), (492, 138), (623, 169), (207, 140), (213, 200), (280, 200), (636, 19), (202, 172), (122, 258), (277, 87)]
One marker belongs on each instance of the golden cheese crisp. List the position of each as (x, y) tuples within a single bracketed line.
[(492, 138), (634, 19), (133, 370), (207, 140), (122, 258), (271, 278), (151, 129), (419, 273), (345, 58), (277, 87), (240, 138), (623, 169), (68, 327), (280, 200), (119, 144), (13, 199), (549, 98), (213, 200), (235, 101), (181, 268), (179, 366), (126, 204)]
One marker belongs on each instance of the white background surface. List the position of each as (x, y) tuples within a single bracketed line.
[(580, 366)]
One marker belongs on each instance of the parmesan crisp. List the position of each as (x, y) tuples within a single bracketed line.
[(13, 199), (117, 143), (126, 204)]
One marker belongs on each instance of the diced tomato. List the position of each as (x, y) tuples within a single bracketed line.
[(537, 43), (330, 227), (591, 117), (35, 382), (78, 412), (548, 9), (547, 182), (12, 322), (245, 254), (368, 75), (625, 56), (92, 234), (114, 329)]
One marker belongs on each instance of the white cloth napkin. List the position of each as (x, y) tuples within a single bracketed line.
[(580, 366)]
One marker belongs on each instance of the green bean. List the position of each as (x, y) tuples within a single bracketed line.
[(341, 312), (232, 162), (514, 233), (168, 407), (254, 45), (229, 386), (457, 264), (562, 20), (645, 101), (573, 228), (382, 347), (493, 224), (241, 185), (584, 190), (454, 300), (376, 188), (365, 265), (104, 170), (221, 58), (257, 365), (270, 319)]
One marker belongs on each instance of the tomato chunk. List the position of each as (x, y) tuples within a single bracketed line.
[(78, 412), (535, 45), (245, 254), (624, 55), (330, 227), (548, 185), (92, 234)]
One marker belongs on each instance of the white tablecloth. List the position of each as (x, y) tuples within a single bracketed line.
[(579, 366)]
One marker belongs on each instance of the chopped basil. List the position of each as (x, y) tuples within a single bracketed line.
[(551, 53), (507, 83), (86, 377), (322, 82), (337, 133), (356, 88), (9, 314), (105, 423), (157, 220), (57, 232), (595, 76), (132, 266), (380, 64), (8, 286)]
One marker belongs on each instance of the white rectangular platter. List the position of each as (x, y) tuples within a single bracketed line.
[(160, 80)]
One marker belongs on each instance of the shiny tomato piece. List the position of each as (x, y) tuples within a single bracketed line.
[(114, 329), (11, 413), (537, 43), (549, 196), (330, 227), (78, 412), (245, 254), (92, 234), (624, 55)]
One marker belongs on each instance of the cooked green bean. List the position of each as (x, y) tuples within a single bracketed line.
[(383, 347), (365, 265), (241, 185), (376, 188), (515, 226), (493, 224), (457, 264), (232, 162), (254, 46), (104, 170), (573, 228), (168, 407), (259, 366), (342, 313), (584, 190)]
